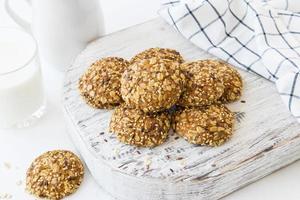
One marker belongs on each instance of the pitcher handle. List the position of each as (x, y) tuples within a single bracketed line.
[(19, 20)]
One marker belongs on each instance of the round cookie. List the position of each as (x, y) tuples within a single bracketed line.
[(203, 87), (54, 175), (100, 84), (232, 82), (162, 53), (211, 125), (137, 128), (152, 85)]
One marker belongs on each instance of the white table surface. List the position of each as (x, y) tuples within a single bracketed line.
[(19, 147)]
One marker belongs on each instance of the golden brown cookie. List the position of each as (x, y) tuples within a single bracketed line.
[(152, 85), (100, 84), (203, 87), (211, 125), (54, 175), (137, 128), (162, 53), (232, 81)]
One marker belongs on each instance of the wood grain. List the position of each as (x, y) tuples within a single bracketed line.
[(266, 136)]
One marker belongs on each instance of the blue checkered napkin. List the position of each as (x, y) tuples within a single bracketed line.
[(260, 36)]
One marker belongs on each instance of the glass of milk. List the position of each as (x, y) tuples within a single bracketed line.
[(22, 99)]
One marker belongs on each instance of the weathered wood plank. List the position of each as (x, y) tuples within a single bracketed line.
[(266, 136)]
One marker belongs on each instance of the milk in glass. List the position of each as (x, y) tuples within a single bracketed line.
[(21, 90)]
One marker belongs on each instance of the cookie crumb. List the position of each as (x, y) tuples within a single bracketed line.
[(19, 182), (5, 196), (116, 151), (147, 161), (182, 162), (7, 165)]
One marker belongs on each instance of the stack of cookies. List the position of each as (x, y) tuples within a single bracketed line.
[(157, 90)]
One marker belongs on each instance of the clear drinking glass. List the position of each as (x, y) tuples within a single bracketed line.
[(22, 99)]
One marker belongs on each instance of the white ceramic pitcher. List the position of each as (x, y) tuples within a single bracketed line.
[(62, 28)]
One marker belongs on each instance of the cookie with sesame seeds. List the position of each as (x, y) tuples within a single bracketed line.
[(54, 175), (211, 125), (100, 84), (203, 87), (232, 81), (137, 128), (162, 53), (152, 85)]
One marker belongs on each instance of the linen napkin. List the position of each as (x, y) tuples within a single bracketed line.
[(260, 36)]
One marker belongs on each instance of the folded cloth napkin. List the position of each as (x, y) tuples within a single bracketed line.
[(260, 36)]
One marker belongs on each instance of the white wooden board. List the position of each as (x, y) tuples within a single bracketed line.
[(266, 136)]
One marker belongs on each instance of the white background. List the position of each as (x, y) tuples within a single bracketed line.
[(19, 147)]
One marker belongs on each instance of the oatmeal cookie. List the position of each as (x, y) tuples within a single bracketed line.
[(211, 125), (162, 53), (232, 82), (100, 84), (204, 86), (54, 175), (152, 85), (137, 128)]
